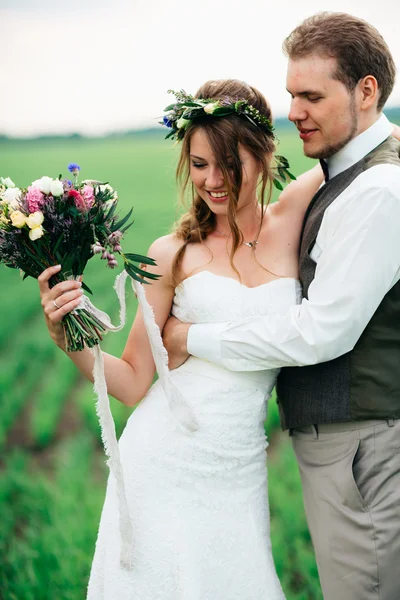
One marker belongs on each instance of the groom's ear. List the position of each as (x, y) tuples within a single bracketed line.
[(368, 92)]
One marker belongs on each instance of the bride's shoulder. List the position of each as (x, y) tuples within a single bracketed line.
[(163, 251), (166, 246)]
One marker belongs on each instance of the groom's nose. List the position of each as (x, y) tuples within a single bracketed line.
[(297, 110)]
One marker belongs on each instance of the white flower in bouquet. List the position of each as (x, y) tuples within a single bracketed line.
[(35, 220), (36, 233), (107, 188), (11, 197), (7, 181), (56, 188), (18, 219), (43, 184), (42, 230)]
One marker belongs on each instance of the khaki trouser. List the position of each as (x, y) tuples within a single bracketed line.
[(351, 485)]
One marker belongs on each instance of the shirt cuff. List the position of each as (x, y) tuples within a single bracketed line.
[(204, 341)]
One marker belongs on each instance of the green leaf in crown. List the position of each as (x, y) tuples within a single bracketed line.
[(186, 109)]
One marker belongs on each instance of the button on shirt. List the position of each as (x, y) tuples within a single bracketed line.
[(357, 252)]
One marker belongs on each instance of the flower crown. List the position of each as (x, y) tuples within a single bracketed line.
[(186, 109)]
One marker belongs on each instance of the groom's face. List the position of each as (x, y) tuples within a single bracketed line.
[(322, 108)]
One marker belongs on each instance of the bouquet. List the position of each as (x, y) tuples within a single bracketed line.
[(59, 221)]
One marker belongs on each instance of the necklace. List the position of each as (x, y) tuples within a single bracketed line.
[(251, 244)]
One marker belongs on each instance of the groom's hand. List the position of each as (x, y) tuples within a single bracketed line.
[(175, 341)]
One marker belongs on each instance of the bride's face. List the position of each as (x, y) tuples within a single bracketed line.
[(208, 180)]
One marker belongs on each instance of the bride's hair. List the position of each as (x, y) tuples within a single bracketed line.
[(224, 135)]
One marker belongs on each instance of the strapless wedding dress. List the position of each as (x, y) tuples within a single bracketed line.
[(198, 501)]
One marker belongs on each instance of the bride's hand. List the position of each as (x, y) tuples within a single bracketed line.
[(57, 302)]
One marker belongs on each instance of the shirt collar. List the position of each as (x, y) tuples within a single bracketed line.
[(359, 146)]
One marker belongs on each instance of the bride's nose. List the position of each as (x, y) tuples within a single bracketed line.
[(215, 179)]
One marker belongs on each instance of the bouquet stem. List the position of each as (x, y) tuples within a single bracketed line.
[(82, 329)]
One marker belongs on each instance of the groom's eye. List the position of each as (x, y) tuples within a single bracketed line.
[(314, 98)]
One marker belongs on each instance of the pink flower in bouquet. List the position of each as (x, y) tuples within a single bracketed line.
[(34, 198), (88, 195), (79, 201)]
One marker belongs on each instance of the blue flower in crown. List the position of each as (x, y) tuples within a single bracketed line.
[(167, 121), (74, 168)]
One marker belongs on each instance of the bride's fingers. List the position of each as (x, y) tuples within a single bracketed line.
[(44, 277), (55, 301), (55, 315), (59, 289)]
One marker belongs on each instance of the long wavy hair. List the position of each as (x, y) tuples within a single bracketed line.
[(224, 135)]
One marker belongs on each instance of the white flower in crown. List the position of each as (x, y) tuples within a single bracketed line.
[(43, 184), (182, 123), (7, 182), (210, 107)]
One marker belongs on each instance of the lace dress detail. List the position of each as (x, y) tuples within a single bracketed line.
[(197, 499)]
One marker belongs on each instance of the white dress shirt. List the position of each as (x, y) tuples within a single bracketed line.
[(357, 252)]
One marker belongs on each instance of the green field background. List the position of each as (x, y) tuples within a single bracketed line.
[(52, 469)]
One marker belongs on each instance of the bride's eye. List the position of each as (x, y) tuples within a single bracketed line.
[(198, 165)]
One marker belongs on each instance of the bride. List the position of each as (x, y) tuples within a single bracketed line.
[(198, 501)]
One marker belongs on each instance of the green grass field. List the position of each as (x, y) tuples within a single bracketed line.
[(52, 470)]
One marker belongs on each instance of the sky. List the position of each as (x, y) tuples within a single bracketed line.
[(98, 66)]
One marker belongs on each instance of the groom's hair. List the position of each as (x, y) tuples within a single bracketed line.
[(358, 47)]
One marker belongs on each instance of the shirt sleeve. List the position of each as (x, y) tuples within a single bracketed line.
[(358, 264)]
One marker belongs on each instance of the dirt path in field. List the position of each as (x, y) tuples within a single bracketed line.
[(69, 423)]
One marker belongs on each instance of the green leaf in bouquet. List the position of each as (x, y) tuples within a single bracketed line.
[(86, 288), (122, 222), (141, 259), (58, 242), (127, 227), (139, 274), (171, 134), (111, 212)]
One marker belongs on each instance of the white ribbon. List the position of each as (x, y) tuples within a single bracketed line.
[(177, 403)]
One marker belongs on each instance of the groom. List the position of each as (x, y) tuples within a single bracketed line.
[(339, 393)]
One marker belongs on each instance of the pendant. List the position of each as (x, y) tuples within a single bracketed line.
[(251, 244)]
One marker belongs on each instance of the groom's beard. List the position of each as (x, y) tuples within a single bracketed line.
[(332, 148)]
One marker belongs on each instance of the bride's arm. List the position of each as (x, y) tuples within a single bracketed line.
[(129, 377)]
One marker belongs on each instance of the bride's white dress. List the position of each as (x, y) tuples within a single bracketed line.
[(198, 501)]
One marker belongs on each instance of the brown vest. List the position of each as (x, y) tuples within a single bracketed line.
[(364, 383)]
